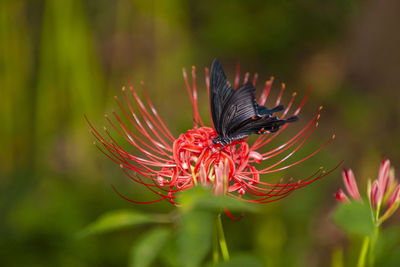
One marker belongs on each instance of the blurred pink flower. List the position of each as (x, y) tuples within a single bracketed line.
[(350, 185), (171, 164), (341, 196), (383, 192)]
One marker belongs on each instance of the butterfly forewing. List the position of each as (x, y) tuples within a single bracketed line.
[(239, 108), (220, 93)]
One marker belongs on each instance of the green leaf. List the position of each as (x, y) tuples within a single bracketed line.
[(169, 255), (355, 218), (387, 244), (202, 198), (119, 219), (239, 261), (220, 202), (144, 251), (194, 237)]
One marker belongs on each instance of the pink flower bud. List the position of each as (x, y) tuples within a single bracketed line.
[(374, 194), (383, 179), (350, 184), (341, 196), (391, 183), (393, 201), (395, 196)]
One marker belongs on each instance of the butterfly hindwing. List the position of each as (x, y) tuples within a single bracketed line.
[(261, 110), (260, 125)]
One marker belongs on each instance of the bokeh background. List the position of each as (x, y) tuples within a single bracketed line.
[(60, 60)]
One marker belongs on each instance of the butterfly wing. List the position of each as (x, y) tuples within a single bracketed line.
[(242, 116), (239, 108), (220, 92), (235, 113), (261, 110), (259, 125)]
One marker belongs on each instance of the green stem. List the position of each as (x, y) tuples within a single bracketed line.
[(215, 252), (374, 238), (221, 239), (363, 252)]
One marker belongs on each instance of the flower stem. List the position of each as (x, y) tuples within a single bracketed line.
[(221, 239), (374, 238), (363, 252), (215, 252)]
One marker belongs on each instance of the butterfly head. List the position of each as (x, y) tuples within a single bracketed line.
[(222, 141)]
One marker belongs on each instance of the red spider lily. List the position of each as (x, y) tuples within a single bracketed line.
[(384, 192), (166, 164)]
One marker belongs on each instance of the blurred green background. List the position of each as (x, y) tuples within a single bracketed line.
[(60, 60)]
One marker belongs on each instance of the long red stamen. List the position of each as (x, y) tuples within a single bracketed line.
[(145, 115), (265, 92), (166, 131), (237, 77)]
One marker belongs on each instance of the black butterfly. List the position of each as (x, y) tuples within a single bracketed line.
[(235, 113)]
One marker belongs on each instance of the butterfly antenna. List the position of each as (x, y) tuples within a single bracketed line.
[(209, 147), (219, 150)]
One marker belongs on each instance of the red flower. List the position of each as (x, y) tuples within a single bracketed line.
[(166, 164)]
